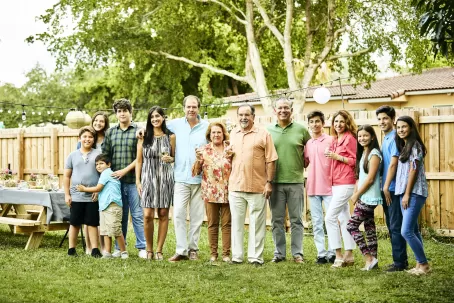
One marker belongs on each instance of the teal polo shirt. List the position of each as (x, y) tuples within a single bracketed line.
[(289, 143)]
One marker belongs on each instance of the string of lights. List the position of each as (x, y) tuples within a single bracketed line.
[(8, 106)]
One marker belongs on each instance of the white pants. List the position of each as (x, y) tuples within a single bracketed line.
[(185, 194), (338, 213), (239, 201)]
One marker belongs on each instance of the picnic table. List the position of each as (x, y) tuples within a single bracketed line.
[(35, 212)]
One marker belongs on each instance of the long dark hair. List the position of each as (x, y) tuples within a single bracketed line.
[(413, 137), (360, 149), (149, 134)]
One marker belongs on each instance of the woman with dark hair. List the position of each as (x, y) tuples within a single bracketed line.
[(100, 122), (411, 186), (214, 162), (154, 177), (343, 159), (367, 194)]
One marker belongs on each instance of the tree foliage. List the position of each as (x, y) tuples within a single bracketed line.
[(437, 23), (158, 46)]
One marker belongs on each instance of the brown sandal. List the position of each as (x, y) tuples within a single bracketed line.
[(159, 256), (150, 255)]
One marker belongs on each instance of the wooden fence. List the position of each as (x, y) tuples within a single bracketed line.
[(44, 150)]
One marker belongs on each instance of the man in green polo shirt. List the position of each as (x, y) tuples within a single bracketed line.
[(288, 185)]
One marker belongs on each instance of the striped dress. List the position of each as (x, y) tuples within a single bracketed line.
[(157, 176)]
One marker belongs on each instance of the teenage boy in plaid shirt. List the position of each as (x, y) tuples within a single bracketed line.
[(120, 145)]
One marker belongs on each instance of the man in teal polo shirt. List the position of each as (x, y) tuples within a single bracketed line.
[(288, 185)]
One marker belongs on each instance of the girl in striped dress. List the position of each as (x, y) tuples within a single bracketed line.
[(154, 177)]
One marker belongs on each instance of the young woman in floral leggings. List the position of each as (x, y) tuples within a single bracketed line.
[(367, 195)]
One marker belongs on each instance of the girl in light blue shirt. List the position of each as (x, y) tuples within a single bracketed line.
[(367, 194)]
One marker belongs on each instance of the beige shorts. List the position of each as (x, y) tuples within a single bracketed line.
[(110, 220)]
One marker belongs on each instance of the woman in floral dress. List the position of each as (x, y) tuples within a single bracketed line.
[(214, 163)]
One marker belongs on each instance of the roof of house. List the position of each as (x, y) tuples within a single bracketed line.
[(433, 79)]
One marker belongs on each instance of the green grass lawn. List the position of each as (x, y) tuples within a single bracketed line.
[(48, 275)]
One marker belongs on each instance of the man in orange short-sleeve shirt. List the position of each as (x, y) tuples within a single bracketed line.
[(253, 168)]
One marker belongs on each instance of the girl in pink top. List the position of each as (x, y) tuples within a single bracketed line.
[(343, 157)]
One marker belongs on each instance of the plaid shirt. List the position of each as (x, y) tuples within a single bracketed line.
[(121, 147)]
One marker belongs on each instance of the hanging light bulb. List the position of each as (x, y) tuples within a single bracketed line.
[(24, 117), (61, 113), (17, 112), (205, 116), (48, 112)]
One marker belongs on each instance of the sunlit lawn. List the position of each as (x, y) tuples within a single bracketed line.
[(48, 275)]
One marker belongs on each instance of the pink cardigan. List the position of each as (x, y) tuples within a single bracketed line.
[(342, 173)]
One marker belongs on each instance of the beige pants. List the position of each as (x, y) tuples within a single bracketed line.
[(110, 220)]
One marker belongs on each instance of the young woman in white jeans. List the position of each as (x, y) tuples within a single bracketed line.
[(343, 155)]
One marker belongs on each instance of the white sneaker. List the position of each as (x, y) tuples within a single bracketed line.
[(116, 253), (124, 255), (106, 255), (88, 252), (143, 254)]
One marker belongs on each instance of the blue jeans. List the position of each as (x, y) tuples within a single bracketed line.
[(317, 224), (410, 223), (393, 214), (131, 201)]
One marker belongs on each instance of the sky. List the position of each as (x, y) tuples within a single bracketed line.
[(17, 22)]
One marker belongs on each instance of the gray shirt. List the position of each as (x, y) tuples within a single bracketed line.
[(83, 172)]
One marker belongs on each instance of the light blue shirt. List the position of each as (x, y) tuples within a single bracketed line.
[(111, 191), (389, 150), (372, 196), (187, 139)]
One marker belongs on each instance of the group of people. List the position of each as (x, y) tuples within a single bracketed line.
[(194, 165)]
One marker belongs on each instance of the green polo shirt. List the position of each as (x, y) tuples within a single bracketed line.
[(289, 143)]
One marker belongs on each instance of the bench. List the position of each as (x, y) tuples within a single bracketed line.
[(18, 222)]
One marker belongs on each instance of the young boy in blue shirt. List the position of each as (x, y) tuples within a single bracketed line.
[(110, 205)]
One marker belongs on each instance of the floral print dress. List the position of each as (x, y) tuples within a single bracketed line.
[(215, 168)]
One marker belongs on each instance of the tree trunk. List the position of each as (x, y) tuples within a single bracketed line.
[(254, 55)]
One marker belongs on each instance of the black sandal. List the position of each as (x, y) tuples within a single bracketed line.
[(159, 256)]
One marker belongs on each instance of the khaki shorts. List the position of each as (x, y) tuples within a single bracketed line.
[(110, 220)]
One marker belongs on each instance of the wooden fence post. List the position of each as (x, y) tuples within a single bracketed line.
[(20, 154), (54, 151)]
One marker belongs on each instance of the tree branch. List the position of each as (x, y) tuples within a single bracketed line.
[(269, 23), (347, 55), (228, 9), (201, 65)]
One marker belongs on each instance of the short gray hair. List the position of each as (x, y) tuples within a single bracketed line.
[(283, 99)]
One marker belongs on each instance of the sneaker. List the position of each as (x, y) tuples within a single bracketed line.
[(107, 255), (116, 253), (331, 259), (298, 259), (321, 260), (178, 258), (233, 262), (193, 256), (142, 254), (95, 253), (72, 252), (226, 259), (124, 255), (213, 259), (88, 252), (277, 259)]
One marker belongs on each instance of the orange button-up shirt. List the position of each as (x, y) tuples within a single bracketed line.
[(251, 151)]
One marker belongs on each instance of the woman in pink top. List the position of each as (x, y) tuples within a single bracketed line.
[(343, 157)]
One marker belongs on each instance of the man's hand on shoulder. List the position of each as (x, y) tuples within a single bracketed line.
[(140, 133)]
